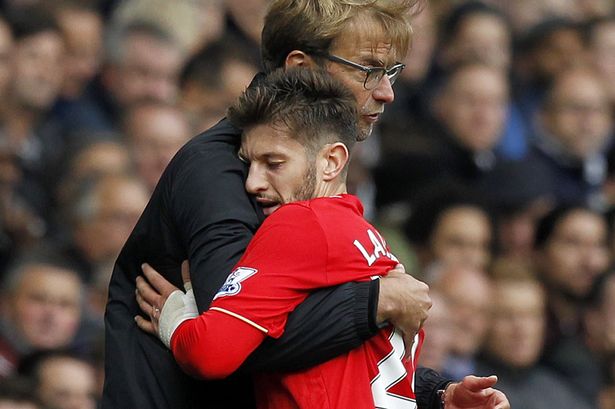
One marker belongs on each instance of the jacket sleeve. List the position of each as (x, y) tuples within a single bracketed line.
[(427, 383)]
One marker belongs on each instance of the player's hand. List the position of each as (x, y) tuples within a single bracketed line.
[(475, 392), (152, 293), (404, 302)]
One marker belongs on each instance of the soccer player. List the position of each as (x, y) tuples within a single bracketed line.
[(299, 127)]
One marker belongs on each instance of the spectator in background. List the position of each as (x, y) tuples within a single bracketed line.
[(570, 253), (18, 393), (142, 62), (102, 213), (449, 229), (479, 32), (194, 24), (214, 77), (550, 47), (600, 37), (469, 114), (474, 32), (37, 75), (62, 379), (513, 346), (439, 334), (82, 28), (106, 156), (155, 131), (41, 309), (469, 293), (472, 108), (574, 130), (600, 327), (405, 120), (246, 18)]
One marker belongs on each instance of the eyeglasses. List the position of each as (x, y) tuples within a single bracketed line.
[(373, 75)]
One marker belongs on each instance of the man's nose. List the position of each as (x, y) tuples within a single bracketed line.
[(384, 91), (256, 182)]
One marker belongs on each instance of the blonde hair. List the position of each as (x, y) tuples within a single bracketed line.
[(312, 25)]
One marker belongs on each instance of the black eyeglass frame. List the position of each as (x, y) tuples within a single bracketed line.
[(392, 72)]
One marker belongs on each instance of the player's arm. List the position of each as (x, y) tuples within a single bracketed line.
[(210, 345)]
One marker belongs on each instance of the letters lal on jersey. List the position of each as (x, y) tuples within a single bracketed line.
[(379, 246), (232, 285)]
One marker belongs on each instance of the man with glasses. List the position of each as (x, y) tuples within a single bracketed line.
[(200, 211)]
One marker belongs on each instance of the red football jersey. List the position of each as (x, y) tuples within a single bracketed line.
[(301, 247)]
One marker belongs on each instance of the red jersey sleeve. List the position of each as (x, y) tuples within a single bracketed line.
[(286, 259), (214, 345)]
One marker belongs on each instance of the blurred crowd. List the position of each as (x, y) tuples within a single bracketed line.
[(492, 175)]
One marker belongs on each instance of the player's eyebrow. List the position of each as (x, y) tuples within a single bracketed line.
[(271, 156)]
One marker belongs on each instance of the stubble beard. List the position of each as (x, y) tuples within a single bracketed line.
[(307, 190)]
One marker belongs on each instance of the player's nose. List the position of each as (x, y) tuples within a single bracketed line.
[(256, 182)]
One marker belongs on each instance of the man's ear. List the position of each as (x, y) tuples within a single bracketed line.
[(334, 156), (297, 58)]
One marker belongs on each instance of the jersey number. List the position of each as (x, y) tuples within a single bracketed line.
[(391, 372)]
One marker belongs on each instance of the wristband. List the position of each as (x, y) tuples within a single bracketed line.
[(178, 308)]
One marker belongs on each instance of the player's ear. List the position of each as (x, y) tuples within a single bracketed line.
[(297, 58), (335, 158)]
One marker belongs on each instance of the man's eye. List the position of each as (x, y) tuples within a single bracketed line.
[(274, 165)]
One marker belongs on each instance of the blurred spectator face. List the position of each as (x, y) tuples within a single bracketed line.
[(462, 237), (149, 71), (100, 158), (600, 321), (38, 70), (473, 106), (44, 307), (602, 52), (66, 383), (212, 22), (518, 324), (422, 48), (83, 35), (483, 38), (516, 231), (575, 254), (249, 16), (95, 160), (558, 51), (439, 326), (156, 133), (469, 294), (206, 105), (116, 204), (578, 113), (6, 54)]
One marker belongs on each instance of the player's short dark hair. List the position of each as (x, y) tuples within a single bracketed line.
[(311, 104)]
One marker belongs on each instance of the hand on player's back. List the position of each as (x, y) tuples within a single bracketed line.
[(404, 302)]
